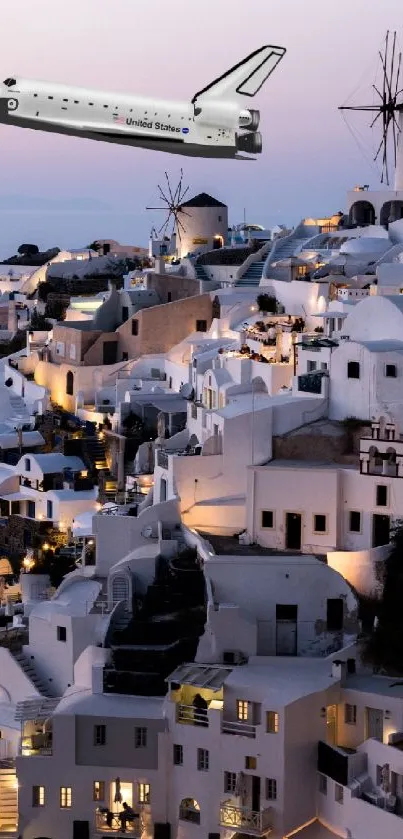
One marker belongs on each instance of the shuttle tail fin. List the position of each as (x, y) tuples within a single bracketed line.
[(246, 78)]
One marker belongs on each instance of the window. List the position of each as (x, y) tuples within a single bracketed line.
[(242, 709), (38, 796), (65, 797), (271, 722), (323, 784), (335, 614), (350, 714), (338, 793), (319, 523), (135, 327), (140, 737), (390, 371), (230, 782), (353, 370), (351, 666), (267, 518), (355, 522), (27, 466), (144, 793), (61, 633), (271, 789), (49, 509), (178, 755), (201, 326), (381, 495), (169, 297), (203, 760), (125, 356), (99, 735), (73, 352), (311, 366), (98, 791), (60, 348), (31, 509), (250, 762)]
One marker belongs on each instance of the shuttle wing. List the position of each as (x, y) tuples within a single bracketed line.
[(246, 78)]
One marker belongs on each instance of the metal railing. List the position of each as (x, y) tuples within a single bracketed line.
[(191, 715), (108, 822), (237, 727), (189, 814), (251, 821)]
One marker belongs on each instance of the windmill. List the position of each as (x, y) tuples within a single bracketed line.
[(172, 205), (387, 109)]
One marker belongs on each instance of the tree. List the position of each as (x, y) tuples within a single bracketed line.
[(266, 303), (28, 250), (384, 649)]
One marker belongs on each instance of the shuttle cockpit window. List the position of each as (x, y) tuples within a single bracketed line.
[(10, 82)]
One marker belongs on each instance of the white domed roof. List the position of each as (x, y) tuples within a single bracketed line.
[(365, 245)]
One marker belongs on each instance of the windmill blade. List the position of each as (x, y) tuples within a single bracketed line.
[(377, 117), (156, 208), (392, 64), (399, 63), (394, 141), (177, 193), (169, 188), (181, 197), (377, 91), (163, 196), (179, 223)]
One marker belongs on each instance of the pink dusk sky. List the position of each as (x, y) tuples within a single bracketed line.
[(65, 191)]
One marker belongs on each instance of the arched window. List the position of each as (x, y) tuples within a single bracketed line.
[(189, 810), (163, 489), (120, 589), (70, 383)]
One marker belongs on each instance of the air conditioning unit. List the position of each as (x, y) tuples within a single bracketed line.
[(234, 657), (344, 337)]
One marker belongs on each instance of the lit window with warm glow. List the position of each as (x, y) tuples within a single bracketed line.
[(242, 710), (65, 797)]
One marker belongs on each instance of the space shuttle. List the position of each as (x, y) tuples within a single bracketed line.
[(215, 124)]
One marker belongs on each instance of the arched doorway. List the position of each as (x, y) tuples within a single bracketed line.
[(361, 213), (391, 211), (218, 242), (70, 383)]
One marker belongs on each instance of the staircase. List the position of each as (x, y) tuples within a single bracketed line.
[(95, 456), (200, 272), (19, 408), (28, 668), (8, 800), (285, 247), (253, 275)]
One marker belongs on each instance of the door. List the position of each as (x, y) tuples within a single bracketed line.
[(286, 629), (110, 352), (255, 793), (380, 530), (293, 531), (331, 725), (374, 724)]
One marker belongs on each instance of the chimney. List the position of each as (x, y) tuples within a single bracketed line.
[(339, 670)]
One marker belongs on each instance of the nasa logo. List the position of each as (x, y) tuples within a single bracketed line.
[(185, 131)]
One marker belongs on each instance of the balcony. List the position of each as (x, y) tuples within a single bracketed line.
[(252, 822), (37, 744), (190, 715), (244, 729), (112, 824)]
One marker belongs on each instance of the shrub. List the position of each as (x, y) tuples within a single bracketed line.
[(266, 302)]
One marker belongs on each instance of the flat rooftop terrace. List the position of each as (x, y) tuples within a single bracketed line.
[(230, 546)]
